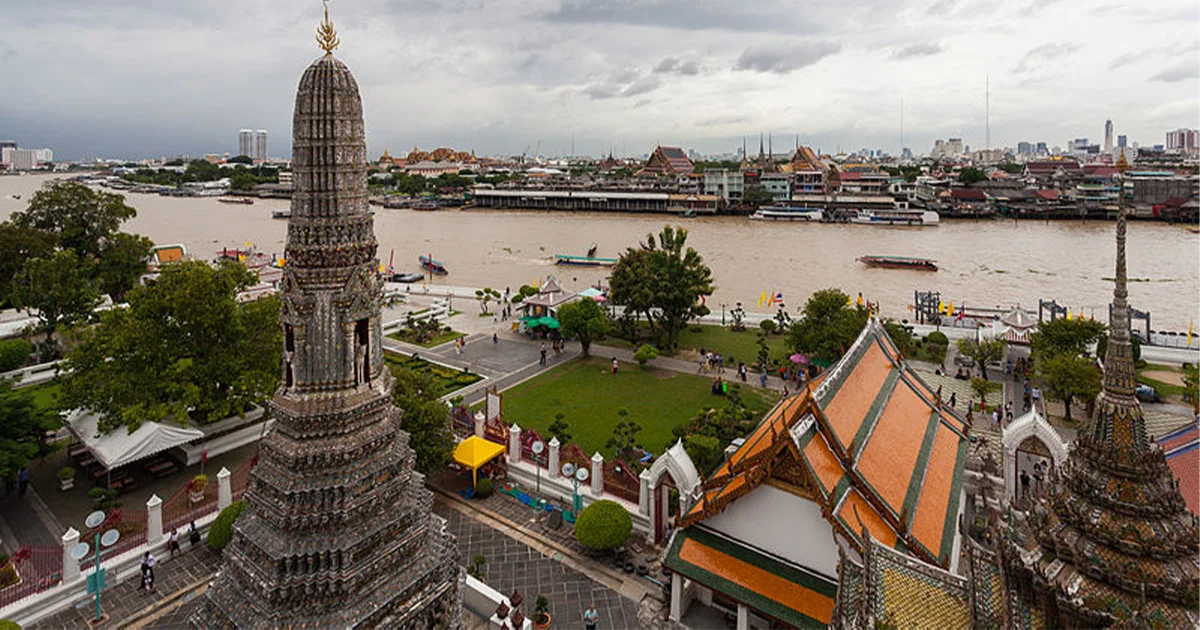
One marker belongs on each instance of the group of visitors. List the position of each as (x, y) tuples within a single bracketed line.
[(148, 559), (557, 346), (711, 362), (719, 386), (1002, 417), (1039, 474), (21, 481), (460, 345)]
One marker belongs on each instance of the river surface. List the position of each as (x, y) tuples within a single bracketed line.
[(995, 264)]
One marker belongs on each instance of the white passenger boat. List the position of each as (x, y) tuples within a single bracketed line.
[(788, 213), (896, 216)]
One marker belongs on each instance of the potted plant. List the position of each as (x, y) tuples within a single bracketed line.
[(541, 612), (66, 478), (196, 488)]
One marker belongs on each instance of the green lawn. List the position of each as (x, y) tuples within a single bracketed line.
[(589, 396), (733, 346), (45, 396), (1164, 389), (438, 340), (449, 379)]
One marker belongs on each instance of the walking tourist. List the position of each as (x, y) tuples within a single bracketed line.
[(953, 399), (590, 617), (23, 480), (147, 571), (193, 535), (1024, 484), (173, 542), (495, 339), (614, 368), (742, 371), (762, 378)]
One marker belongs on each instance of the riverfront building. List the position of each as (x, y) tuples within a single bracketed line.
[(338, 530), (667, 161)]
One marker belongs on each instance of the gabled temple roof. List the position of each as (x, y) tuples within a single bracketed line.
[(668, 161), (880, 450), (1182, 449)]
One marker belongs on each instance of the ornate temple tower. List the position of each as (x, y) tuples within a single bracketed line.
[(1112, 541), (338, 530)]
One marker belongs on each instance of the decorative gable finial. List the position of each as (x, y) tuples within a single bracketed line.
[(327, 37)]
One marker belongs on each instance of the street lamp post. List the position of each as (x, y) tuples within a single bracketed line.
[(577, 475), (101, 543), (538, 447), (722, 313)]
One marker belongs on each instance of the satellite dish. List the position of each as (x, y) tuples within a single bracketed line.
[(109, 538), (94, 519), (581, 474), (538, 447), (568, 469), (80, 551)]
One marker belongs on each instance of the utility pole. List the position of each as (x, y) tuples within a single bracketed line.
[(987, 112)]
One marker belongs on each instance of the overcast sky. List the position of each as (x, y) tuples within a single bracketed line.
[(146, 78)]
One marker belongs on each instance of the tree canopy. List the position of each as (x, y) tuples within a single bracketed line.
[(1069, 336), (426, 419), (184, 348), (829, 325), (983, 352), (19, 245), (122, 262), (23, 426), (78, 217), (60, 287), (584, 320), (1069, 377), (664, 281)]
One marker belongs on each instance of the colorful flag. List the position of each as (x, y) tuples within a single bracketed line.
[(1070, 316), (860, 298), (762, 298), (941, 306), (1190, 322)]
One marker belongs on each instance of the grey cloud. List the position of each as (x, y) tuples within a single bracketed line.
[(1038, 56), (602, 90), (686, 15), (1181, 72), (648, 83), (642, 103), (673, 65), (918, 50), (784, 59), (942, 7), (1162, 52)]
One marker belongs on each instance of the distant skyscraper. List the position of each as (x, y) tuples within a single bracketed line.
[(260, 145), (1108, 136), (1122, 142), (1182, 140), (1042, 149), (1024, 148), (246, 142)]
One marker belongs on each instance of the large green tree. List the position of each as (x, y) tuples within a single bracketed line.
[(828, 327), (665, 281), (17, 246), (79, 217), (425, 418), (60, 287), (185, 347), (122, 262), (1062, 335), (1069, 377), (584, 320), (22, 425)]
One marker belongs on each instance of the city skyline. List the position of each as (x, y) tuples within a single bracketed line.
[(504, 78)]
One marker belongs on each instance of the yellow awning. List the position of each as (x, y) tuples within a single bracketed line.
[(475, 451)]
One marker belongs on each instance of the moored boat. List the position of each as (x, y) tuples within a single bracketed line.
[(788, 213), (281, 214), (406, 277), (242, 201), (583, 261), (591, 253), (897, 216), (899, 262), (427, 204), (432, 266)]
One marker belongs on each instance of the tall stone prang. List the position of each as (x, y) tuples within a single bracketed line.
[(338, 530), (1113, 541)]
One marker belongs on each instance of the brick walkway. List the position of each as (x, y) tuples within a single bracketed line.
[(174, 579), (514, 565)]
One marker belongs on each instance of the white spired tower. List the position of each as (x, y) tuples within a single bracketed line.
[(1108, 136)]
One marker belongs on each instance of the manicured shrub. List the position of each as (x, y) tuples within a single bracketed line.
[(645, 353), (483, 488), (938, 337), (603, 525), (768, 325), (221, 531), (14, 353), (5, 624)]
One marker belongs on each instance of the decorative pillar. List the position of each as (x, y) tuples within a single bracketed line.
[(644, 494), (224, 489), (553, 457), (480, 424), (70, 570), (676, 597), (514, 444), (743, 617), (597, 474), (154, 525)]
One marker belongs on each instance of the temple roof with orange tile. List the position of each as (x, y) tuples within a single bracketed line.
[(878, 449)]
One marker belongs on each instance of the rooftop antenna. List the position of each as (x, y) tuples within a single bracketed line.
[(901, 125)]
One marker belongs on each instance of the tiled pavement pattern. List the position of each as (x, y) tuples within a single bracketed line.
[(125, 604), (512, 564)]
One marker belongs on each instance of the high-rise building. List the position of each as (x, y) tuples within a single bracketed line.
[(954, 146), (1108, 136), (1182, 140), (260, 145), (338, 530), (1025, 148), (246, 142), (1122, 142)]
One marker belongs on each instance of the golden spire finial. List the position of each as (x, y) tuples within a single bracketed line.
[(327, 37), (1122, 163)]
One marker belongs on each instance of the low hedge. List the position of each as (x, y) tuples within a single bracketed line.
[(221, 531)]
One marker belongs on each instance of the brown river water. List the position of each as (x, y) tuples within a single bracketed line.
[(995, 264)]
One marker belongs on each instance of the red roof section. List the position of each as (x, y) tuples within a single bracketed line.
[(968, 194), (1183, 456), (1048, 195)]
